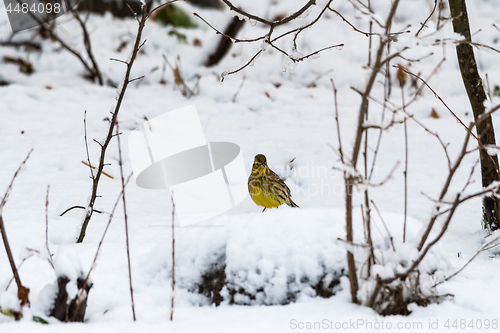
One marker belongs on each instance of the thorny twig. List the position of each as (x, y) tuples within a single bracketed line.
[(90, 208)]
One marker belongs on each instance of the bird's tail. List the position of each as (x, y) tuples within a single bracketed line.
[(292, 204)]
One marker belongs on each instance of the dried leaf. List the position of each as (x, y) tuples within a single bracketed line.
[(401, 75)]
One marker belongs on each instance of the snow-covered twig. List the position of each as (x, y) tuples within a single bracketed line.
[(267, 37)]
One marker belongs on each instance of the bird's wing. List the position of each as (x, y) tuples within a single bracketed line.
[(274, 178)]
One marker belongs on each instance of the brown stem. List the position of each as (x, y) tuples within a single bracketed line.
[(120, 162), (357, 144), (444, 190), (85, 282), (427, 19), (406, 168), (266, 22), (104, 146), (351, 265), (88, 46), (47, 227), (22, 292), (172, 297)]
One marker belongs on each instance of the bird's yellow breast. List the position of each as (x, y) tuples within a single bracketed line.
[(264, 199)]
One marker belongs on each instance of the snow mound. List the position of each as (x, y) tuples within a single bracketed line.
[(258, 258)]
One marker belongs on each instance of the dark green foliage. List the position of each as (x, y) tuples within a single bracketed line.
[(173, 15)]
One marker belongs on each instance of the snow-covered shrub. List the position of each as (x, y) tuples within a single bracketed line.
[(271, 258)]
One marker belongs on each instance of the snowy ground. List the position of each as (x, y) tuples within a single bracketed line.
[(279, 114)]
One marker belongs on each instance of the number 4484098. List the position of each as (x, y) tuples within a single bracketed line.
[(34, 8), (471, 324)]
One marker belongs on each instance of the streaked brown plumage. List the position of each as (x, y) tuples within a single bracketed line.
[(266, 188)]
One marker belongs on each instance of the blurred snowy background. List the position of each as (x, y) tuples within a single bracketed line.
[(289, 260)]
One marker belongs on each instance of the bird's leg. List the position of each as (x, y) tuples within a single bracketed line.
[(263, 209)]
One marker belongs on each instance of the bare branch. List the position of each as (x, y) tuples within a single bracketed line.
[(120, 162), (99, 246), (88, 47), (22, 292), (236, 40), (427, 19), (86, 144), (351, 25), (453, 113), (370, 13), (112, 123), (316, 52), (47, 228), (478, 45), (444, 190), (172, 296), (137, 78), (80, 207), (435, 95), (337, 120), (485, 247), (114, 59), (269, 23), (385, 225), (239, 88), (9, 188), (159, 7), (223, 75)]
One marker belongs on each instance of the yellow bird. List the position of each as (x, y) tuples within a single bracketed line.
[(266, 188)]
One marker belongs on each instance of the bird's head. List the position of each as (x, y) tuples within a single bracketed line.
[(259, 165)]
